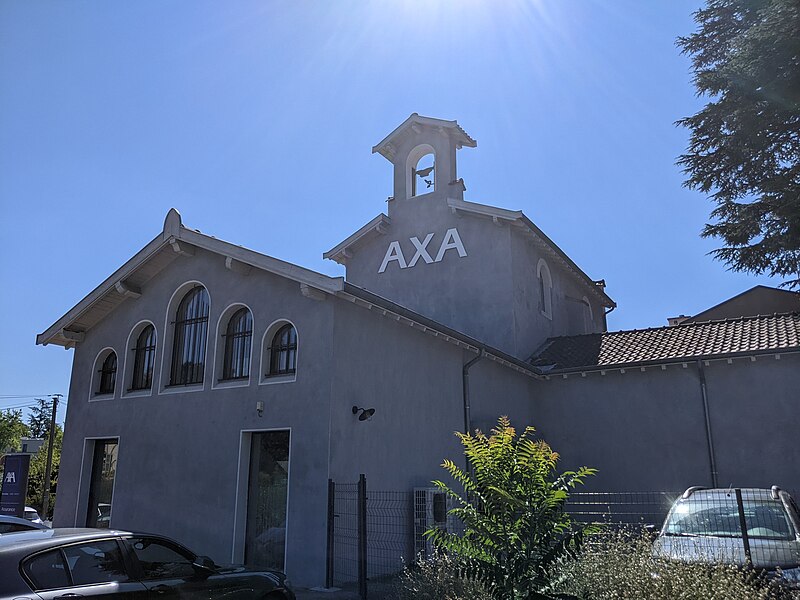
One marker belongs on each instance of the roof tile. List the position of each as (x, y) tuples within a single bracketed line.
[(762, 333)]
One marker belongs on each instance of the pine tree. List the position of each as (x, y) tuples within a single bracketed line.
[(744, 148), (39, 419)]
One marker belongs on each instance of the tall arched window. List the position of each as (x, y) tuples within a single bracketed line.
[(108, 374), (545, 289), (421, 165), (283, 351), (189, 341), (144, 357), (238, 341)]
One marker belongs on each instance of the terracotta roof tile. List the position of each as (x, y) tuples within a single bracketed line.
[(763, 333)]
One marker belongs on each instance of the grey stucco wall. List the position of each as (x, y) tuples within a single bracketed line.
[(471, 294), (179, 452), (646, 430), (414, 383)]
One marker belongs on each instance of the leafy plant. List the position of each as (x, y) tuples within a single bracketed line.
[(620, 564), (437, 578), (512, 509)]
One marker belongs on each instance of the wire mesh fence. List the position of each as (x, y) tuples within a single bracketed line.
[(374, 532)]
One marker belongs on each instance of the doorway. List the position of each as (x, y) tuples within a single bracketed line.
[(267, 494), (101, 484)]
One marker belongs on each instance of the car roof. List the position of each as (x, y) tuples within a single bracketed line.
[(747, 493), (40, 539)]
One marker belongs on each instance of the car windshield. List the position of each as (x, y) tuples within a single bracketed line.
[(720, 517), (31, 514)]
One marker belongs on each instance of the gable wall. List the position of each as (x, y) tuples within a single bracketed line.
[(470, 294), (179, 452)]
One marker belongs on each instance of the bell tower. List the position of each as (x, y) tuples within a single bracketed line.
[(423, 152)]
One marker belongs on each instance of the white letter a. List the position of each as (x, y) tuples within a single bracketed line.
[(451, 241), (393, 252)]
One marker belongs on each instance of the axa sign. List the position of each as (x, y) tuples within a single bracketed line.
[(394, 253)]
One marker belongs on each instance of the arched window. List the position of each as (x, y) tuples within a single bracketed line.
[(144, 357), (283, 351), (189, 341), (238, 338), (108, 374), (545, 289)]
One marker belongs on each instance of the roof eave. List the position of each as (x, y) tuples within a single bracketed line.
[(377, 226)]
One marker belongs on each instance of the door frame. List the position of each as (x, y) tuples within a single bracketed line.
[(84, 486), (242, 485)]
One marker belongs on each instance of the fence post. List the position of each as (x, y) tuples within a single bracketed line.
[(743, 527), (331, 517), (362, 536)]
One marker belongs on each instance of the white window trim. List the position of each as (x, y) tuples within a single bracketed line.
[(169, 338), (219, 355), (266, 339), (94, 383), (544, 278), (129, 354)]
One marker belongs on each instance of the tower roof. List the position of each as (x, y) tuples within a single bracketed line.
[(386, 146)]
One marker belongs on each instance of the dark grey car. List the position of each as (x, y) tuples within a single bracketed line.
[(101, 563), (707, 525)]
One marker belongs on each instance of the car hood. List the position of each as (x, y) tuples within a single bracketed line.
[(765, 554)]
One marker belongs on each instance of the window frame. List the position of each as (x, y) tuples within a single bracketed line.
[(289, 348), (138, 353), (193, 328), (266, 376), (244, 341), (544, 280), (95, 392)]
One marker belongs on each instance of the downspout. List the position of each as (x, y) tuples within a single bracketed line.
[(709, 440), (465, 388)]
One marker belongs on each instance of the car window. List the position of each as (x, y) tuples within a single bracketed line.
[(31, 515), (162, 560), (720, 517), (96, 562), (46, 571)]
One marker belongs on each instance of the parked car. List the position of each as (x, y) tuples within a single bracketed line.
[(32, 515), (706, 525), (14, 524), (103, 563)]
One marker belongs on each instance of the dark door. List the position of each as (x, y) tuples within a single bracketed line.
[(101, 485), (268, 486)]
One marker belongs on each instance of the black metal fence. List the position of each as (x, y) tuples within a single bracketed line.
[(372, 533)]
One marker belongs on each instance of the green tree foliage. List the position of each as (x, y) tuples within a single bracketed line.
[(512, 508), (744, 148), (37, 471), (12, 430), (39, 419)]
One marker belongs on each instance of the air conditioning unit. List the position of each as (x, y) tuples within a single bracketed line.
[(431, 508)]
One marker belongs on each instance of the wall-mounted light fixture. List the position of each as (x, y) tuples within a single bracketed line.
[(366, 413), (260, 408)]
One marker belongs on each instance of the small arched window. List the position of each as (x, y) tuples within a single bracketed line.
[(144, 357), (108, 374), (545, 289), (238, 341), (283, 351), (189, 341)]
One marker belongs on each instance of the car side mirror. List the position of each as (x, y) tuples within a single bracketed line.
[(204, 564)]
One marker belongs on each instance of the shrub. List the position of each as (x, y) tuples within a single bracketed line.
[(437, 579), (617, 565), (512, 509)]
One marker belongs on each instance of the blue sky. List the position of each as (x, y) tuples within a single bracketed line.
[(256, 121)]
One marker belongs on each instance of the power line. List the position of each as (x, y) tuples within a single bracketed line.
[(10, 396)]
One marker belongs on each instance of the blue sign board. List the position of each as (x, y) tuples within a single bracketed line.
[(15, 485)]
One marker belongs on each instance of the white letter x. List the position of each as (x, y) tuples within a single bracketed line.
[(421, 251)]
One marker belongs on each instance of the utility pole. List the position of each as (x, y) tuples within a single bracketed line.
[(48, 468)]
